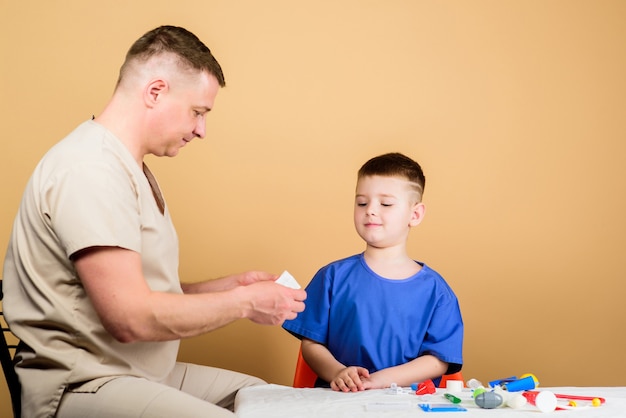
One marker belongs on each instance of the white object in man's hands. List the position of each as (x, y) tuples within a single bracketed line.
[(287, 279)]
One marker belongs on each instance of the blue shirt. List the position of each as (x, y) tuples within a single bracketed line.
[(369, 321)]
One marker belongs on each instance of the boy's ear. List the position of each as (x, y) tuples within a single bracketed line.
[(417, 214)]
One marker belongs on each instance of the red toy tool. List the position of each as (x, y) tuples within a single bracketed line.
[(426, 388)]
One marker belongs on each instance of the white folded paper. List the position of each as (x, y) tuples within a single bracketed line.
[(287, 279)]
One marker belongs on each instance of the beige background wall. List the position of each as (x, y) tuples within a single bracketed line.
[(516, 110)]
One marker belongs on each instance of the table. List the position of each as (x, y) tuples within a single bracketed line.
[(276, 401)]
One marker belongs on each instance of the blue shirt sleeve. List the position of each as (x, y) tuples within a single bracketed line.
[(313, 322)]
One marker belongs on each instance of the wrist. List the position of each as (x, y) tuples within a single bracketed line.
[(244, 301)]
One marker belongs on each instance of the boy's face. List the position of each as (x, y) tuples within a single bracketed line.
[(385, 210)]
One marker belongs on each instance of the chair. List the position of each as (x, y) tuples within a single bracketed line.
[(7, 362), (452, 376), (305, 377)]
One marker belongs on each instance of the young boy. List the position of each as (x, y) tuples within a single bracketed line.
[(380, 317)]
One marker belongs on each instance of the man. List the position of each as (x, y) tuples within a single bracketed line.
[(91, 273)]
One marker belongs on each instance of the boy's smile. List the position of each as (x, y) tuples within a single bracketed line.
[(385, 209)]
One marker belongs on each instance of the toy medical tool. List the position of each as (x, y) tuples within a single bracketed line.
[(513, 384), (427, 407), (546, 401), (488, 400), (426, 387), (452, 398)]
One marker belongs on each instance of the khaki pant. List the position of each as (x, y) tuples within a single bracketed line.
[(191, 391)]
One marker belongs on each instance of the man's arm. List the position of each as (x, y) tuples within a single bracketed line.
[(131, 311), (228, 282)]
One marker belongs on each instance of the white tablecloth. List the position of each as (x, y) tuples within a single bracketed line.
[(276, 401)]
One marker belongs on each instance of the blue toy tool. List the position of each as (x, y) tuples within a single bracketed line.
[(427, 407)]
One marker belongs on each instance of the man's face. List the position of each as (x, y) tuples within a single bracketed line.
[(181, 114)]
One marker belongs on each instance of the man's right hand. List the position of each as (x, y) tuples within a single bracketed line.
[(273, 304)]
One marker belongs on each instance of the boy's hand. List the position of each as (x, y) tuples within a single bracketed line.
[(349, 379), (374, 381)]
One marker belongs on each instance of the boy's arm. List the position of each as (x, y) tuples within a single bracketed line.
[(324, 364), (417, 370)]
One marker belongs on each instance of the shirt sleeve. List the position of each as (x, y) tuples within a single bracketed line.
[(444, 337), (312, 323), (92, 204)]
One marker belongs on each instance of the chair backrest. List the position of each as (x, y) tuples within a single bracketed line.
[(305, 377), (8, 344), (454, 376)]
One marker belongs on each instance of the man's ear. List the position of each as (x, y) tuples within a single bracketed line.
[(417, 214), (154, 90)]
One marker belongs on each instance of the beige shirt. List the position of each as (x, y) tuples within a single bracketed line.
[(86, 191)]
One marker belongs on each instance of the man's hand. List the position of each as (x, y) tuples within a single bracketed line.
[(250, 277), (271, 303)]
